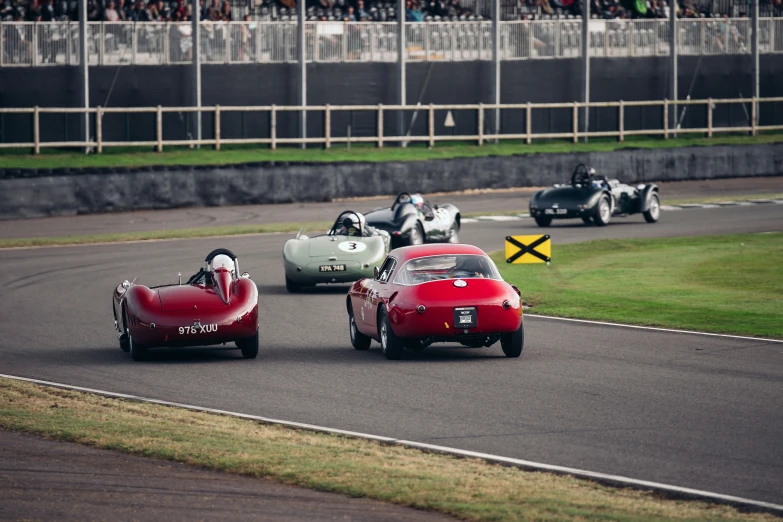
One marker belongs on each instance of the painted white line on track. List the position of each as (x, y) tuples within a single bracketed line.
[(656, 329), (616, 480)]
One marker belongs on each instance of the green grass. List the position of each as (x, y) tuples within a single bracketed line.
[(470, 489), (149, 235), (124, 157), (724, 284)]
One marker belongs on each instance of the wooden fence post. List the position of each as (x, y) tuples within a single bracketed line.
[(380, 125), (36, 130), (481, 124), (529, 123), (576, 122), (666, 118), (431, 125), (99, 128), (709, 117), (217, 127), (159, 128), (328, 126), (273, 126), (622, 121)]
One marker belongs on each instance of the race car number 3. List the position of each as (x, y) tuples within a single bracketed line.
[(352, 247), (202, 328)]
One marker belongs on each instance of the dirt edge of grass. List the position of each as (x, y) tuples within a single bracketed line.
[(32, 415)]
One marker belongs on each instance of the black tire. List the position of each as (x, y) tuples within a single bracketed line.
[(358, 340), (603, 212), (653, 213), (137, 351), (391, 345), (543, 221), (291, 286), (248, 346), (416, 236), (453, 233), (124, 346), (587, 220), (513, 342)]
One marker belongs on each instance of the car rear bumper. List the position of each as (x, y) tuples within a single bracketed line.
[(439, 322), (561, 213)]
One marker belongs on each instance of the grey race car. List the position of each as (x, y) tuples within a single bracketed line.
[(349, 251), (594, 199), (412, 220)]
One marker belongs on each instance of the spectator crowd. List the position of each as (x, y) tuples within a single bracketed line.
[(359, 10)]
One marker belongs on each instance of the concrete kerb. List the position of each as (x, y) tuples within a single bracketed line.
[(669, 491), (87, 192)]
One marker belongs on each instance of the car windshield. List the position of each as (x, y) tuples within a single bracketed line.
[(435, 268)]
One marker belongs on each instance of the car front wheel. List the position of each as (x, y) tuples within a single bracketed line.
[(653, 212), (603, 212), (416, 236), (543, 221), (513, 342), (391, 345), (249, 346), (358, 340), (137, 351)]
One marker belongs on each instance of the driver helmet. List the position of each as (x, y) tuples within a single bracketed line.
[(221, 262), (417, 200), (354, 220), (591, 171)]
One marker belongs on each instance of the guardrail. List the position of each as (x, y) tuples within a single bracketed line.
[(331, 135), (28, 44)]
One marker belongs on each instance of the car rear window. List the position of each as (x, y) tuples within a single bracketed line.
[(435, 268)]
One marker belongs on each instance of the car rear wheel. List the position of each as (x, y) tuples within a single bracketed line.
[(453, 234), (358, 340), (391, 345), (291, 286), (416, 237), (513, 342), (603, 212), (543, 221), (587, 220), (124, 346), (653, 212), (248, 346), (137, 351)]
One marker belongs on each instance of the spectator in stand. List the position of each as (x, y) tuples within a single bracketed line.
[(47, 11), (122, 10), (413, 12), (140, 13), (777, 8), (34, 12), (110, 14), (364, 16), (181, 13), (213, 13), (349, 16), (225, 12)]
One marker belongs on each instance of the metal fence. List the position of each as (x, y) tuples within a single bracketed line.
[(149, 43), (712, 116)]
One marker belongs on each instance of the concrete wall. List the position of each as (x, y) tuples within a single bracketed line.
[(59, 193)]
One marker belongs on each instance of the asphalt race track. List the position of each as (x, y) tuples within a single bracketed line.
[(693, 411)]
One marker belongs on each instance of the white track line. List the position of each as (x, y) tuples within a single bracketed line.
[(615, 480), (653, 328)]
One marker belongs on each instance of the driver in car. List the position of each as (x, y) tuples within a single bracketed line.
[(353, 225), (467, 266)]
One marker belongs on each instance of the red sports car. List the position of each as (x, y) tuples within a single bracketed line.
[(216, 305), (435, 293)]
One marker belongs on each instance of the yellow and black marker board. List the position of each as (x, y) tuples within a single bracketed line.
[(528, 249)]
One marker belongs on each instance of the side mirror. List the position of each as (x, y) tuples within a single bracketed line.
[(245, 275), (179, 275), (126, 284), (376, 272)]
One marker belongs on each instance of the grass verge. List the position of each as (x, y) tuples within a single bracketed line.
[(124, 157), (725, 284), (184, 233), (467, 488)]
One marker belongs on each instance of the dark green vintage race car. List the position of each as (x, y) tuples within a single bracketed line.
[(594, 199)]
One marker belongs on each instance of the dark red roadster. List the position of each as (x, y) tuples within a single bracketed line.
[(216, 305), (435, 293)]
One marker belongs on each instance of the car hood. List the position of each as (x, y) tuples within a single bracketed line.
[(381, 216), (325, 246), (189, 297)]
